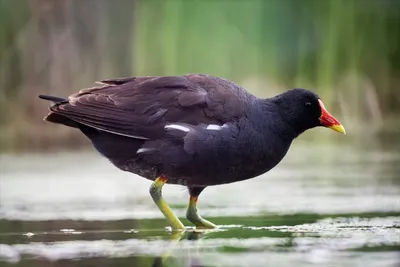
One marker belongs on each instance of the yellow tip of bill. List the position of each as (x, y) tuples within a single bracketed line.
[(338, 128)]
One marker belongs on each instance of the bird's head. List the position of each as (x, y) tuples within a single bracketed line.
[(304, 110)]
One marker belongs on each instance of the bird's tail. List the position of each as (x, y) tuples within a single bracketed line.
[(55, 99), (53, 116)]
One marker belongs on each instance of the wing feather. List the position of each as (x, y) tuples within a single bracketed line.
[(140, 107)]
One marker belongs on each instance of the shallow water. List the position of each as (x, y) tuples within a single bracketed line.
[(322, 206)]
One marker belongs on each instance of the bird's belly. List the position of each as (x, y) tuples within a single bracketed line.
[(215, 171), (190, 175), (199, 173), (209, 165), (233, 174)]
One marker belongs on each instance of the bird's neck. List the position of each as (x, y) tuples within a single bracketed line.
[(277, 122)]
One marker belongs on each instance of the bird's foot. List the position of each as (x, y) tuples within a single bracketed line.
[(195, 218), (204, 224)]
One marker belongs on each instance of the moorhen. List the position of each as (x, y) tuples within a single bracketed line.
[(194, 130)]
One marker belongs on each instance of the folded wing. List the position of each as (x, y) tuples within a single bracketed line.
[(140, 107)]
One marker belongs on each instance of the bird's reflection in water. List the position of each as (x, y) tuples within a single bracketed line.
[(176, 237)]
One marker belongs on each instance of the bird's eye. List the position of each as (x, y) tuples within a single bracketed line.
[(307, 104)]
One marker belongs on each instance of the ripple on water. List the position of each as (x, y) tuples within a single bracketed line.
[(320, 242)]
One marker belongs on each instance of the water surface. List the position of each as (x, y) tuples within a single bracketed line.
[(322, 206)]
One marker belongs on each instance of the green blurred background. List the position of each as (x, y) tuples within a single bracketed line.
[(348, 51), (333, 201)]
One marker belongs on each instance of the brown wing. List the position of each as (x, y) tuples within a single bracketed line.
[(140, 107)]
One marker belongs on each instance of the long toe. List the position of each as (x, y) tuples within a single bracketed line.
[(198, 221)]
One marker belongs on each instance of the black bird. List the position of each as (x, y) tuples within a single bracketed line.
[(194, 130)]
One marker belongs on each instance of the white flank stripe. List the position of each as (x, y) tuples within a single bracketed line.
[(214, 127), (177, 127), (143, 150)]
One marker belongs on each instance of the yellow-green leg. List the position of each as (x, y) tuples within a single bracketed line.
[(155, 192), (192, 214)]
